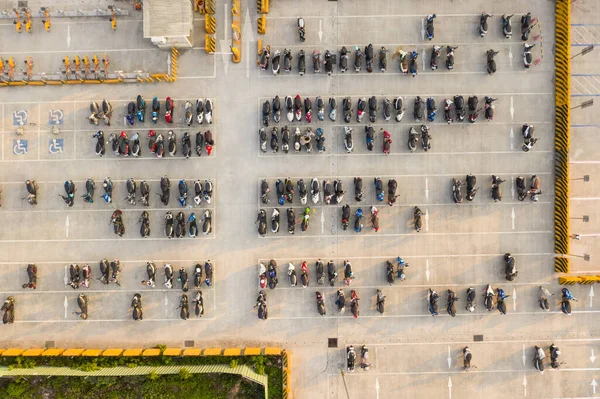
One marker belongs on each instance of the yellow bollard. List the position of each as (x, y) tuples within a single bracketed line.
[(235, 55), (262, 25), (210, 44), (210, 24)]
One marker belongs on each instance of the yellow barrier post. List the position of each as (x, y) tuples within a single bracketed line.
[(262, 24), (210, 24), (262, 6), (210, 45)]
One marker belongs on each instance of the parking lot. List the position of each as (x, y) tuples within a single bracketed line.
[(459, 246)]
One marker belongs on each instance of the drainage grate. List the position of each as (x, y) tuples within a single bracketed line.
[(332, 342), (21, 4), (478, 338), (49, 344), (188, 344)]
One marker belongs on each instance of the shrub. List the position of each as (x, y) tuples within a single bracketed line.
[(184, 373), (233, 364)]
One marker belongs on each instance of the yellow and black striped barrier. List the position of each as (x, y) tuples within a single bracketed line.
[(209, 7), (562, 136), (210, 45), (174, 57), (262, 24), (210, 24), (262, 6), (287, 371)]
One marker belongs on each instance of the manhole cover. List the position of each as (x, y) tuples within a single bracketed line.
[(478, 338), (188, 344), (49, 344), (22, 4), (332, 342)]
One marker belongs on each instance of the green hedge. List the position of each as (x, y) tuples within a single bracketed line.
[(269, 365)]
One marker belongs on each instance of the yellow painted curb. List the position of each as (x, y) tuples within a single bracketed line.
[(273, 351), (112, 352), (133, 352), (92, 352), (151, 352), (232, 352), (53, 352), (570, 280), (192, 352), (73, 352), (252, 351), (212, 352), (172, 352), (13, 352), (562, 135), (588, 279), (33, 352)]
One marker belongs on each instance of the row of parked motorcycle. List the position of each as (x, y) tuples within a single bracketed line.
[(136, 110), (267, 274), (407, 61), (202, 191), (538, 358), (122, 145), (334, 191), (533, 191), (81, 276), (175, 226), (455, 109), (304, 140), (136, 306), (110, 272)]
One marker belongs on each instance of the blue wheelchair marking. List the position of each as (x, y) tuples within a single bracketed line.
[(20, 147), (55, 117), (19, 117), (56, 146)]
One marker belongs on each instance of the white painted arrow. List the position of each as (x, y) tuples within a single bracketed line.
[(69, 36), (66, 275), (512, 216), (67, 227), (524, 386), (320, 31), (225, 43), (426, 220), (514, 299), (512, 109), (512, 146), (322, 222), (594, 384), (427, 269), (591, 296), (592, 357), (66, 306), (225, 53), (423, 29), (426, 190), (449, 358), (524, 356), (377, 387), (510, 55), (248, 37), (449, 387), (512, 183)]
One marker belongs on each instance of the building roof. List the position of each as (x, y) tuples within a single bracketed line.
[(167, 18)]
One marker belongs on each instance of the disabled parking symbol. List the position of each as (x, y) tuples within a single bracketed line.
[(56, 117), (56, 146), (19, 117), (20, 147)]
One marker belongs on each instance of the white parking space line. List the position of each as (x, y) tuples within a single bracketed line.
[(192, 318), (378, 235), (88, 51), (368, 205), (413, 256), (394, 154), (406, 316)]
